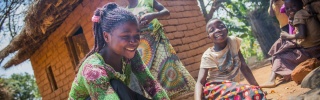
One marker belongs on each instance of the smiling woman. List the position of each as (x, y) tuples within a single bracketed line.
[(105, 72)]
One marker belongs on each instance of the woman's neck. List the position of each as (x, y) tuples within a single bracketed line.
[(220, 46), (111, 58), (132, 3)]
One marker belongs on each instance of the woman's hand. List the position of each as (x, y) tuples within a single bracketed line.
[(146, 19), (203, 73), (284, 35)]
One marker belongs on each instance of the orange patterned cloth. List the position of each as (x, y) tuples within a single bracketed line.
[(228, 90)]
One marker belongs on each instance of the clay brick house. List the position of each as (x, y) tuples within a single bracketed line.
[(58, 33)]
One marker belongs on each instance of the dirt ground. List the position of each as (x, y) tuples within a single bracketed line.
[(283, 91)]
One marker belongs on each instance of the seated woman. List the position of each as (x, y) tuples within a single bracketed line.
[(105, 72), (219, 66), (290, 50)]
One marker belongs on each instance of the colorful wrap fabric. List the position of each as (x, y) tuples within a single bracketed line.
[(160, 57), (228, 90), (93, 79)]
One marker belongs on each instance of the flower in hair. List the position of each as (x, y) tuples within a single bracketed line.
[(95, 18)]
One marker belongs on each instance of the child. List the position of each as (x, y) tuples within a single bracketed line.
[(105, 72), (291, 28), (291, 50), (220, 64)]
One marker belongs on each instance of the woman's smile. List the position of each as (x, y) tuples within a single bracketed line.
[(131, 49), (218, 35)]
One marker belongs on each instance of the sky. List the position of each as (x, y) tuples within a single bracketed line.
[(21, 68)]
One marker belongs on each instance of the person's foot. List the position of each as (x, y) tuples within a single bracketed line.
[(286, 78), (268, 85)]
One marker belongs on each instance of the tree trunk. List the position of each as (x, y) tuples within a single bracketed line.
[(264, 30), (214, 6), (203, 9)]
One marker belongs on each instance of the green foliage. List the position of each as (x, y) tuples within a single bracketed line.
[(19, 87), (250, 48), (5, 91)]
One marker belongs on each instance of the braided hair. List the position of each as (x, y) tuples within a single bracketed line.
[(111, 16)]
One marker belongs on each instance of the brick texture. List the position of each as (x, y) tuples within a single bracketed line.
[(185, 28)]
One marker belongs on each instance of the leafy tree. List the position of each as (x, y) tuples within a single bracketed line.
[(247, 19), (19, 87), (5, 91)]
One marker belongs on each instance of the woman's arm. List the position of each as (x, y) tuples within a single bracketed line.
[(246, 71), (301, 34), (162, 12), (203, 72), (93, 80)]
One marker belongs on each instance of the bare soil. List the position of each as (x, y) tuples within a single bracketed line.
[(283, 91)]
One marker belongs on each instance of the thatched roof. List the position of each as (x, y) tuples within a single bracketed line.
[(42, 19)]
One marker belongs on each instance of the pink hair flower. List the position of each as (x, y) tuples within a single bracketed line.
[(95, 18)]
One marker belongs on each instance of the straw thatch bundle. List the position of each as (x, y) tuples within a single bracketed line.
[(42, 19)]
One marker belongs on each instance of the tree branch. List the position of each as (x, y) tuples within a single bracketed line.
[(232, 14), (228, 11), (1, 61), (203, 8), (215, 5), (10, 16), (208, 3), (7, 12)]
